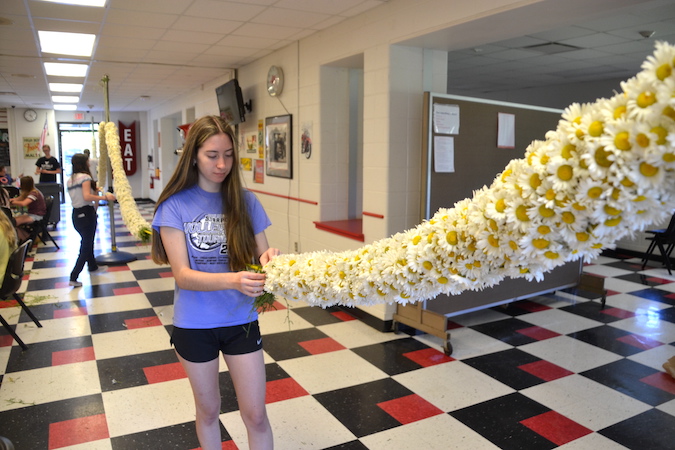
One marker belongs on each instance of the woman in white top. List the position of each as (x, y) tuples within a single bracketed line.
[(82, 197)]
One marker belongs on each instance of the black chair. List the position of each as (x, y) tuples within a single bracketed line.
[(11, 283), (38, 229), (8, 213), (664, 240), (12, 191)]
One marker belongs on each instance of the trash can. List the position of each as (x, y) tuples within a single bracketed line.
[(53, 189)]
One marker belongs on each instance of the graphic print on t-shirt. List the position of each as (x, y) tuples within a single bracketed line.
[(206, 233)]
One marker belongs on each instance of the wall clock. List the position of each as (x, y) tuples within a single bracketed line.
[(275, 81), (30, 115)]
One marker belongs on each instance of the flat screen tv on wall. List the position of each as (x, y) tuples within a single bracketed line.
[(231, 102)]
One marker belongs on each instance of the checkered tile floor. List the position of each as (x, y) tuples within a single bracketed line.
[(552, 371)]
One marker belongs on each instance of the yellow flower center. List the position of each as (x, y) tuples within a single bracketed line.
[(535, 181), (669, 112), (493, 225), (546, 212), (648, 170), (500, 205), (550, 194), (669, 157), (543, 229), (601, 157), (416, 240), (626, 182), (613, 222), (568, 217), (619, 111), (663, 71), (427, 265), (661, 134), (642, 140), (513, 245), (521, 213), (610, 210), (567, 151), (540, 243), (640, 198), (544, 159), (582, 237), (595, 192), (596, 128), (616, 193), (291, 262), (493, 241), (451, 237), (551, 255), (506, 174), (442, 280), (565, 172), (579, 207), (621, 141), (645, 99)]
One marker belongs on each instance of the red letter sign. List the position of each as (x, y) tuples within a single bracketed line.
[(128, 144)]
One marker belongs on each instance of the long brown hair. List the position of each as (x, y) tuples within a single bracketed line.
[(27, 185), (80, 162), (8, 231), (241, 243)]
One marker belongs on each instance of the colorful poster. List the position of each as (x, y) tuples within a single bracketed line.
[(261, 139), (259, 171), (31, 147), (251, 142), (246, 164)]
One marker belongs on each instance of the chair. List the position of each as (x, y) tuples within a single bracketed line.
[(38, 229), (664, 240), (12, 191), (11, 283), (8, 213)]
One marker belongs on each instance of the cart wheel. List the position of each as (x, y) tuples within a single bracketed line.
[(447, 349), (395, 328)]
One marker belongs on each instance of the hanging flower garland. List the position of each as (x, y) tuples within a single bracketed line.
[(132, 218), (606, 172), (103, 155)]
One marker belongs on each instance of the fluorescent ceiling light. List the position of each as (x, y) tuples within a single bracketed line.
[(65, 87), (65, 98), (76, 44), (65, 107), (98, 3), (66, 70)]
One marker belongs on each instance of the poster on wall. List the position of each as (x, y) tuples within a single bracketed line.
[(31, 147), (261, 139), (246, 164), (251, 142), (259, 171), (279, 144), (4, 147)]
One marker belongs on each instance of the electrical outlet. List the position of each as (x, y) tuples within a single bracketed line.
[(296, 247)]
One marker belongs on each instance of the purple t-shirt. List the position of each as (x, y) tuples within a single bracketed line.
[(199, 214)]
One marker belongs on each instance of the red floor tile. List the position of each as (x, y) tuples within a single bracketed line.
[(73, 356), (409, 409), (618, 312), (164, 372), (538, 333), (166, 274), (545, 370), (71, 312), (343, 316), (283, 389), (77, 431), (556, 428), (129, 290), (640, 342), (324, 345), (143, 322), (531, 306), (662, 381), (6, 340), (428, 357)]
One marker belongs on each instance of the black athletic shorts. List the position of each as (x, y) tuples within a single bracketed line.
[(202, 345)]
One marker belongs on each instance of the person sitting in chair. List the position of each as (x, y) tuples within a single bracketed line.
[(34, 201)]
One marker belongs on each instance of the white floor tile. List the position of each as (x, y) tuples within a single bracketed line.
[(453, 385), (570, 353), (299, 423), (561, 322), (130, 342), (327, 371), (586, 402), (441, 432)]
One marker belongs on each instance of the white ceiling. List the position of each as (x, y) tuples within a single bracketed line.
[(154, 48), (191, 42)]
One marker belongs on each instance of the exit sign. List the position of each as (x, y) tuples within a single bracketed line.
[(79, 116)]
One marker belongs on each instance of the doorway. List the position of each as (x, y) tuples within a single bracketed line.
[(74, 138)]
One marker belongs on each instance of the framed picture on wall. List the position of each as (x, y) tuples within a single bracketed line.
[(278, 146)]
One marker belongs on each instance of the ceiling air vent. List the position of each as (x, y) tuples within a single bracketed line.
[(551, 48)]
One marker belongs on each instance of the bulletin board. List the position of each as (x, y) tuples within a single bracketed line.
[(477, 156)]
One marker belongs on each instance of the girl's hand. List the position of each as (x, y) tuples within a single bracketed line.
[(251, 283), (268, 255)]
